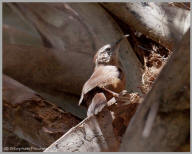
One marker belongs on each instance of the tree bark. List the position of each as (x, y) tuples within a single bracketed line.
[(101, 132), (170, 92), (93, 134), (30, 117), (161, 22)]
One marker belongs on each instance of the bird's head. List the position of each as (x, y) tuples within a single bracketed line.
[(108, 54)]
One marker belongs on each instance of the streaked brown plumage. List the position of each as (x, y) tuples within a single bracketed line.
[(107, 80)]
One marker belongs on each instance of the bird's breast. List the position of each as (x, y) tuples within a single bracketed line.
[(115, 84), (111, 78)]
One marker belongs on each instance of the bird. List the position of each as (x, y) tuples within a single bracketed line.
[(107, 79)]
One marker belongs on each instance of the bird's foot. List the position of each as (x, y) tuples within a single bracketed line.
[(124, 95), (112, 93)]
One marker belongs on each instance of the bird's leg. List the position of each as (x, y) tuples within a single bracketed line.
[(112, 93), (122, 96)]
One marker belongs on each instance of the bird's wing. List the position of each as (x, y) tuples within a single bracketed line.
[(100, 77)]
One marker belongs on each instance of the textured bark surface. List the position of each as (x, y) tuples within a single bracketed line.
[(93, 134), (30, 117), (171, 126), (99, 133), (161, 22)]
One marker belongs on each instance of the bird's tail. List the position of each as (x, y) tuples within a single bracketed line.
[(98, 103)]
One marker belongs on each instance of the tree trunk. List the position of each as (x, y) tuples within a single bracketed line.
[(161, 122)]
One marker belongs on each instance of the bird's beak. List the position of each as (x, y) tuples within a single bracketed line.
[(116, 45)]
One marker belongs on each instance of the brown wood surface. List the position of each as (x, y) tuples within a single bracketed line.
[(171, 125), (30, 117)]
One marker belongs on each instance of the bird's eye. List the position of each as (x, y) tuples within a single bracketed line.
[(108, 49)]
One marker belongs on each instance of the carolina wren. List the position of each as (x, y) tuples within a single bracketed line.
[(107, 80)]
